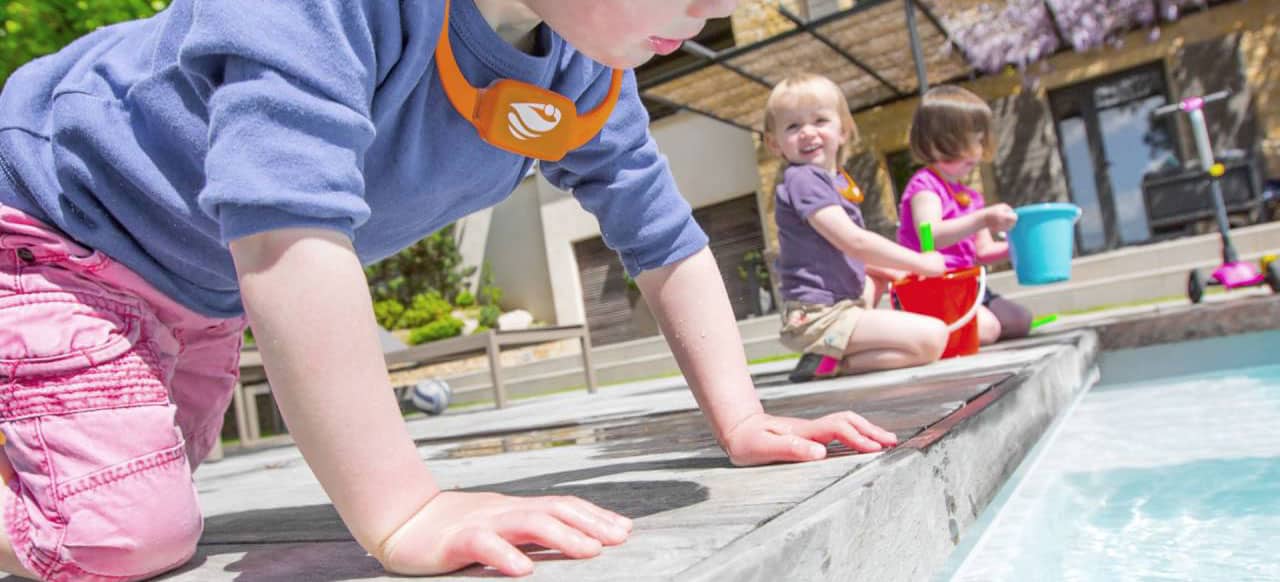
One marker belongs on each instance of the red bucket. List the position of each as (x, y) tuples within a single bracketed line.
[(954, 298)]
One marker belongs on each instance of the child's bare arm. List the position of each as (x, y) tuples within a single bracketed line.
[(886, 273), (309, 305), (306, 295), (990, 250), (926, 208), (692, 307), (835, 225)]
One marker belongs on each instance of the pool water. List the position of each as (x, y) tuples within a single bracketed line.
[(1172, 478)]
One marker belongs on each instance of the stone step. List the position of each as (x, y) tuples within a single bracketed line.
[(1145, 285), (609, 355), (1200, 250), (762, 326), (565, 372)]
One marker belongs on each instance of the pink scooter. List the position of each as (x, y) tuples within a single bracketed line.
[(1233, 272)]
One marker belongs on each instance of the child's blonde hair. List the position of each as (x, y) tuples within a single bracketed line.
[(947, 123), (805, 88)]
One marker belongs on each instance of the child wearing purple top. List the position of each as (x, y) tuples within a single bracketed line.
[(826, 255), (950, 134), (164, 180)]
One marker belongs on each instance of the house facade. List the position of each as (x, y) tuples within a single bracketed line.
[(1072, 127)]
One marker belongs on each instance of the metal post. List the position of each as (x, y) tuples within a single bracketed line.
[(587, 369), (922, 77), (1204, 150), (494, 351)]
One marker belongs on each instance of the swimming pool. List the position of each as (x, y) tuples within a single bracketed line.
[(1167, 470)]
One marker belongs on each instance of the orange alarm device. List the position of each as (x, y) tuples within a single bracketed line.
[(962, 198), (519, 117), (851, 192)]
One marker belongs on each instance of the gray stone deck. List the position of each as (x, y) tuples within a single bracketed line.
[(643, 450)]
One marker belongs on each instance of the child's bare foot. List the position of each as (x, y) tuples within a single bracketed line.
[(814, 366)]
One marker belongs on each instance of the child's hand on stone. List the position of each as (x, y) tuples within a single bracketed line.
[(1000, 218), (763, 438), (457, 529)]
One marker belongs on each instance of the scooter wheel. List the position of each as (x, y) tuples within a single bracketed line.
[(1195, 286), (1273, 276)]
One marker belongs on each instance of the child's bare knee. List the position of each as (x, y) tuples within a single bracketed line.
[(934, 342), (989, 330)]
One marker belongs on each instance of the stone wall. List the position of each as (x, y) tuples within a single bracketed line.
[(878, 207), (1027, 166), (1260, 49), (1213, 65)]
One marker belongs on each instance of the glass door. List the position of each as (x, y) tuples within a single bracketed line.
[(1108, 143)]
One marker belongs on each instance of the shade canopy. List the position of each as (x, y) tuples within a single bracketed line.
[(867, 49)]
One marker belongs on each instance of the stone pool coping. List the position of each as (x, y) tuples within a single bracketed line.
[(642, 450)]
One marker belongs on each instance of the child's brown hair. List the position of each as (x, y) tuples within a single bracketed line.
[(808, 87), (948, 123)]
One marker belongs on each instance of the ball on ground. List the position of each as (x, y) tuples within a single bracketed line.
[(431, 396)]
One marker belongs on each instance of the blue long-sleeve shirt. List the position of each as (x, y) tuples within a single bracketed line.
[(159, 141)]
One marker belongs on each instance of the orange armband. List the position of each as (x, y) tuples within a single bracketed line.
[(518, 117)]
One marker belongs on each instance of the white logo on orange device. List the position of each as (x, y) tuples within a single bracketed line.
[(531, 120)]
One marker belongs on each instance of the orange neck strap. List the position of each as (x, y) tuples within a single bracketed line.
[(961, 198), (851, 192), (519, 117)]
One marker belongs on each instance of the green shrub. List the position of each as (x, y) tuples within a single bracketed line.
[(432, 264), (753, 263), (388, 313), (426, 308), (489, 316), (34, 28), (490, 294), (442, 328), (426, 280)]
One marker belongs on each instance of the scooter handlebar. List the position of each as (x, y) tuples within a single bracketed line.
[(1190, 103)]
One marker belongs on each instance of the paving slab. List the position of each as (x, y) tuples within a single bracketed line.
[(644, 450)]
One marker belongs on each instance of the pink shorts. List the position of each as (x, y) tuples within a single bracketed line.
[(110, 395)]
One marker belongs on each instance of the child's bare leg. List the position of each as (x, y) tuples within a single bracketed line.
[(988, 326), (886, 339), (1015, 320), (874, 290)]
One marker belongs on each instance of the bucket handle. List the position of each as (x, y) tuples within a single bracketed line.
[(982, 291)]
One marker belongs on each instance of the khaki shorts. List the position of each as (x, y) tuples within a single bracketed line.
[(813, 328)]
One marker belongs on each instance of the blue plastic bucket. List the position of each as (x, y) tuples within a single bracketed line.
[(1042, 243)]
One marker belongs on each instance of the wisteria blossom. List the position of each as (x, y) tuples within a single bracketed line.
[(1020, 32)]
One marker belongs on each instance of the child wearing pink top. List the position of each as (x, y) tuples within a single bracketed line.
[(950, 134)]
